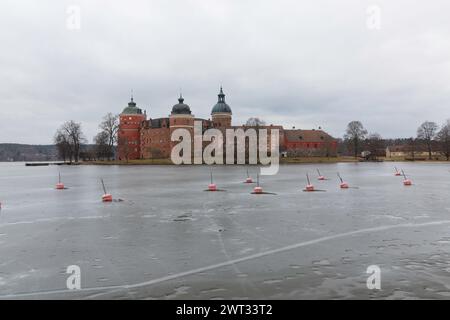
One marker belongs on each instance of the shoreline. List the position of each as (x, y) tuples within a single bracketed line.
[(283, 161), (304, 160)]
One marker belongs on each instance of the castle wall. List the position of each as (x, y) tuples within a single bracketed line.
[(155, 143), (311, 149), (129, 142)]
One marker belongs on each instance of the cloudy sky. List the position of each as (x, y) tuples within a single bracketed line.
[(296, 63)]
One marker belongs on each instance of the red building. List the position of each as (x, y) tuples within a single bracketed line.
[(129, 136), (142, 138), (309, 143)]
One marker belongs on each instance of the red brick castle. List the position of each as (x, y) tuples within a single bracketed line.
[(142, 138)]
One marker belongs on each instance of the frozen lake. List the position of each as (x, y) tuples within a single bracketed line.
[(169, 239)]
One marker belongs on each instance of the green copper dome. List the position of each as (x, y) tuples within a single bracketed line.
[(132, 109), (221, 106), (181, 107)]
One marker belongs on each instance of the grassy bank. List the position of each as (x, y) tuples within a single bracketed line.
[(168, 162), (131, 162), (317, 160), (305, 160)]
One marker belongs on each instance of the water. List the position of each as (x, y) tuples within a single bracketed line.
[(169, 239)]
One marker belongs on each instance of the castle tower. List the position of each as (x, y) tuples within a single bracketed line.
[(130, 120), (181, 117), (221, 112)]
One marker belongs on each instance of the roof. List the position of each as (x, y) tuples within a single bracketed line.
[(407, 148), (131, 108), (307, 135), (221, 106), (181, 107)]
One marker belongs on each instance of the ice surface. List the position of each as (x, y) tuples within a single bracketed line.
[(169, 239)]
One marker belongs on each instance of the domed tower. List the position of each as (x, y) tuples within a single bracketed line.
[(181, 117), (221, 112), (130, 120)]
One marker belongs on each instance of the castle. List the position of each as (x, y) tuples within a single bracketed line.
[(142, 138)]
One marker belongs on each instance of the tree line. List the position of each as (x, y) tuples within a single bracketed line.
[(72, 144), (430, 135)]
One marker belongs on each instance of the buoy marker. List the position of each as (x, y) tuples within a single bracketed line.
[(212, 186), (309, 186), (397, 173), (106, 196), (59, 185), (321, 177), (258, 189), (343, 185), (248, 179), (406, 181)]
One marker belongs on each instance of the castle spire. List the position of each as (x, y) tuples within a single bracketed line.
[(221, 95)]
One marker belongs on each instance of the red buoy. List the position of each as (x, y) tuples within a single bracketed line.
[(321, 177), (107, 197), (397, 173), (257, 190), (406, 181), (59, 185), (309, 186), (212, 186), (248, 179), (343, 185)]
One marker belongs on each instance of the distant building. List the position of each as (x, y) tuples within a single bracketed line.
[(142, 138), (309, 143), (408, 151)]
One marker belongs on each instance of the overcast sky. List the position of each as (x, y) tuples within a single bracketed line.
[(296, 63)]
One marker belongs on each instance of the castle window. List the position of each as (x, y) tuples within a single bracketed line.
[(300, 137)]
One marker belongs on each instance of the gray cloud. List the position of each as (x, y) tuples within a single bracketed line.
[(295, 63)]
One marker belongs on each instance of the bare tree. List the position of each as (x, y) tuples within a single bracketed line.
[(374, 144), (443, 137), (102, 148), (427, 132), (354, 134), (412, 143), (110, 126), (61, 141), (70, 132)]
